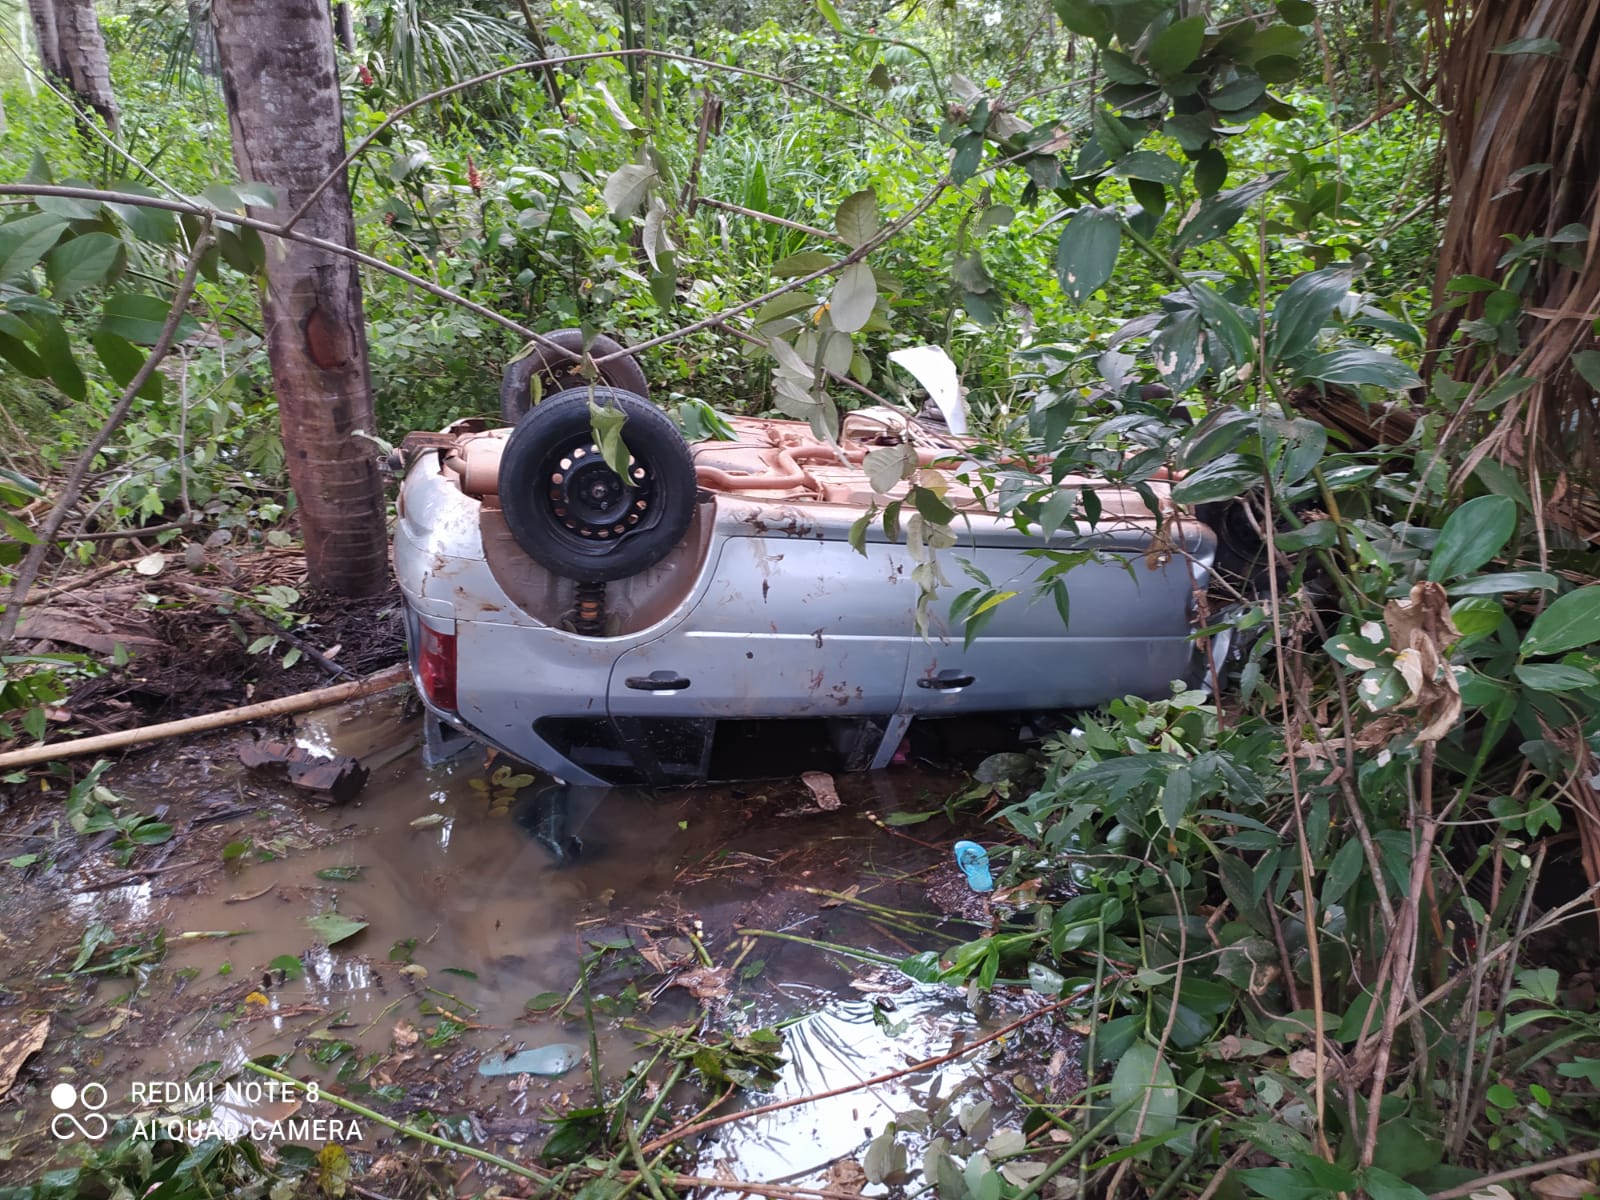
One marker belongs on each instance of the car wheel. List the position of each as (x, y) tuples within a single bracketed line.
[(570, 512), (558, 373)]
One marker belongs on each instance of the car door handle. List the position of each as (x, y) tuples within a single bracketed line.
[(946, 682), (658, 681)]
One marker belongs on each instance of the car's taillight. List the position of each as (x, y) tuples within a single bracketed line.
[(436, 666)]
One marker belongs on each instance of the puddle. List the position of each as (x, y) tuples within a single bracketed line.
[(466, 918)]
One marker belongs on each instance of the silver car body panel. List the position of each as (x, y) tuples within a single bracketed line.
[(766, 612)]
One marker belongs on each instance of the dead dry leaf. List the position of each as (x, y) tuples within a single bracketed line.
[(15, 1052), (404, 1036), (1420, 630), (822, 789), (706, 983), (845, 1175), (1564, 1187), (850, 893), (1303, 1063)]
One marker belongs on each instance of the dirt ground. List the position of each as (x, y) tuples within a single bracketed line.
[(185, 633)]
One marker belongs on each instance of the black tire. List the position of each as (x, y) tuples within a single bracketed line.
[(570, 512), (558, 373)]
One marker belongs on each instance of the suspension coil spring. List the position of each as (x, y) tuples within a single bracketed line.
[(589, 616)]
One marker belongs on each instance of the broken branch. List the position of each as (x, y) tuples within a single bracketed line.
[(304, 702)]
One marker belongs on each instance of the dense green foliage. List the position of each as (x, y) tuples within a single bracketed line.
[(1310, 922)]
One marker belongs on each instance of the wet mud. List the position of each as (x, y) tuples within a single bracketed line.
[(391, 947)]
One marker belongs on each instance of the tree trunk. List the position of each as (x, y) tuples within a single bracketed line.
[(81, 55), (344, 25), (1522, 147), (44, 32), (282, 91), (203, 38)]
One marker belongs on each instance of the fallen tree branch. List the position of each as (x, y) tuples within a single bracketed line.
[(304, 702)]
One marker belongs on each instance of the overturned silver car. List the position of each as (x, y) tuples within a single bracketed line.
[(706, 617)]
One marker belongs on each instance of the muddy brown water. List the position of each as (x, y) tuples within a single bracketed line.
[(468, 918)]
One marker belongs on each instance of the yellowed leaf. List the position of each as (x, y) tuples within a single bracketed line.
[(14, 1052)]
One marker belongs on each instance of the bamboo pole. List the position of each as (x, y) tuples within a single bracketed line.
[(284, 705)]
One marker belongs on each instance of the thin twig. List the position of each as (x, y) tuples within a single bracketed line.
[(769, 218)]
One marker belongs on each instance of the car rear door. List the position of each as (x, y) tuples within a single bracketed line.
[(1127, 630), (790, 626)]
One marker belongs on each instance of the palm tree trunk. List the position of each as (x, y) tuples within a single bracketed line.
[(74, 53), (1521, 90), (43, 13), (281, 84)]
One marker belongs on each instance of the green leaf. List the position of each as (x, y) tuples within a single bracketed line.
[(1087, 251), (85, 261), (1178, 45), (857, 219), (55, 352), (1357, 365), (1210, 171), (1474, 534), (23, 242), (1342, 873), (1304, 308), (1044, 980), (1588, 364), (830, 14), (627, 188), (1142, 1070), (1084, 18), (1278, 68), (145, 223), (1548, 47), (886, 466), (1220, 213), (858, 532), (1297, 12), (1506, 389), (1554, 677), (1176, 797), (853, 299), (1222, 479), (340, 874), (1382, 687), (607, 424), (1282, 1183), (334, 927), (1505, 581), (1225, 319), (1150, 165), (22, 358), (139, 318), (1241, 93), (1177, 350), (1477, 616), (1571, 621), (291, 966), (807, 262), (122, 361)]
